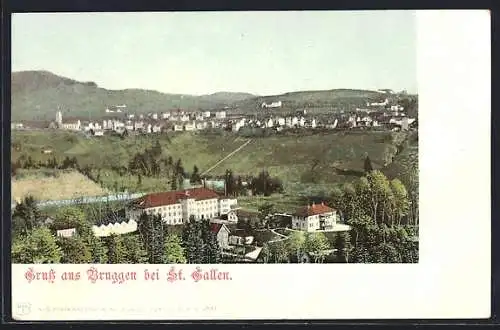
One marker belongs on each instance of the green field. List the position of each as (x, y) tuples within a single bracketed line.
[(307, 165)]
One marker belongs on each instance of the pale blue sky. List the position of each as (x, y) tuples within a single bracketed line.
[(204, 52)]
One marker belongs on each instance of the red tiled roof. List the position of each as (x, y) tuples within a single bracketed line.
[(314, 209), (215, 227), (173, 197)]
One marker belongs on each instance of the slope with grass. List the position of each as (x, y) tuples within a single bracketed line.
[(53, 185), (299, 161), (37, 95)]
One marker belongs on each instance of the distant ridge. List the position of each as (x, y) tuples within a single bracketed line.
[(37, 95)]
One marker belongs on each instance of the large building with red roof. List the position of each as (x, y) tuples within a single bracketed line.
[(314, 217), (176, 207)]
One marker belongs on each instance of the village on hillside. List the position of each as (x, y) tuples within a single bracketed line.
[(385, 114), (198, 217)]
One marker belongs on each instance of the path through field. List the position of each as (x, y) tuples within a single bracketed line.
[(282, 237), (229, 155)]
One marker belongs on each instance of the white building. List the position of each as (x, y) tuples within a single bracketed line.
[(76, 126), (314, 217), (281, 121), (117, 228), (165, 115), (190, 126), (222, 233), (201, 125), (277, 104), (129, 125), (154, 116), (270, 123), (156, 128), (313, 123), (66, 232), (302, 122), (185, 118), (220, 115), (59, 118), (16, 125), (206, 114), (138, 125), (178, 128), (176, 207), (378, 104)]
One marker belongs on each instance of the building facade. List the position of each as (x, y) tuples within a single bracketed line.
[(314, 217), (177, 207)]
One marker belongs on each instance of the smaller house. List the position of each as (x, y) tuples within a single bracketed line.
[(66, 232), (314, 217), (178, 128), (220, 115), (98, 132), (240, 237), (201, 125), (16, 126), (190, 127), (222, 233), (156, 128)]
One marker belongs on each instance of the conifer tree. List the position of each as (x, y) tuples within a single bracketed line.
[(74, 250), (116, 250)]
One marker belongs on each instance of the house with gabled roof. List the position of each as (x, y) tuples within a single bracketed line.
[(222, 233), (314, 217)]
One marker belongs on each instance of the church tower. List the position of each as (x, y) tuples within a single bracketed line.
[(59, 118)]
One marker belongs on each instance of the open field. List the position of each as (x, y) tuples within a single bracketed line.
[(60, 185), (296, 159), (282, 203)]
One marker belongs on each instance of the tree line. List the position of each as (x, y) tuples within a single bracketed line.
[(34, 240)]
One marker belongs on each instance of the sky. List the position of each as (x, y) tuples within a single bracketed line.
[(197, 53)]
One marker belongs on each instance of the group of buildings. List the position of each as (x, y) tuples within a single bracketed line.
[(178, 207), (384, 114)]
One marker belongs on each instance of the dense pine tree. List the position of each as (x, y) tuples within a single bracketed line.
[(116, 250), (74, 250)]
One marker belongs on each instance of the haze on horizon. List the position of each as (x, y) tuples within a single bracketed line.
[(263, 53)]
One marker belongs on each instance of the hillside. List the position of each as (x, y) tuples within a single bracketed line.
[(226, 97), (301, 161), (36, 95), (335, 98)]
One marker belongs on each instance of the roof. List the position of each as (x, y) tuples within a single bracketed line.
[(313, 209), (241, 233), (216, 227), (174, 197)]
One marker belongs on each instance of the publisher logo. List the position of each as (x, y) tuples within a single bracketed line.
[(23, 309)]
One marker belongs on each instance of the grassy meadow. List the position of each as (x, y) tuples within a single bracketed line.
[(58, 185), (308, 165)]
